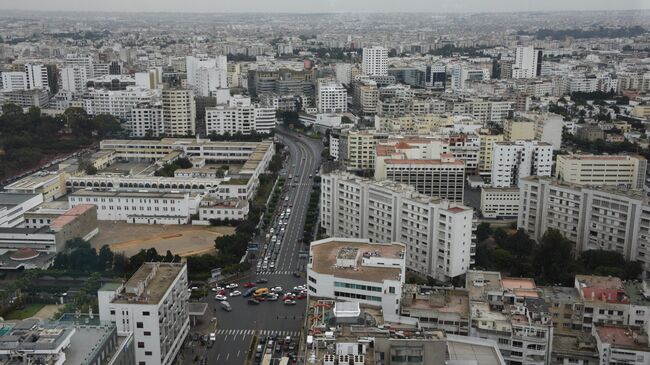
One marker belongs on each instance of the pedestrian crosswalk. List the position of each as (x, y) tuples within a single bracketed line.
[(281, 272), (279, 333), (248, 332)]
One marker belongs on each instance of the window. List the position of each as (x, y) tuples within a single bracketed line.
[(112, 312), (145, 313), (139, 324), (140, 345), (148, 353)]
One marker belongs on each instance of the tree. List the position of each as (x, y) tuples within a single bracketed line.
[(106, 257), (483, 231), (106, 125), (553, 259)]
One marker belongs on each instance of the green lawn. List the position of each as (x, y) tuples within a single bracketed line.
[(28, 311)]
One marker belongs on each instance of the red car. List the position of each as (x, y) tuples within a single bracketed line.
[(261, 298), (289, 297), (301, 296), (249, 285), (223, 292)]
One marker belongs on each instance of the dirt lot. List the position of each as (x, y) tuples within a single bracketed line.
[(184, 240)]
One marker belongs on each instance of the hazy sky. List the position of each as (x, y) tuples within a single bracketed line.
[(324, 5)]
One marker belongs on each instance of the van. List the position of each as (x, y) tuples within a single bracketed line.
[(226, 306)]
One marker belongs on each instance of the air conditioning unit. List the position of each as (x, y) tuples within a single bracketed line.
[(329, 359)]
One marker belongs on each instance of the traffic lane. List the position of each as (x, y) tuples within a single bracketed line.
[(230, 349)]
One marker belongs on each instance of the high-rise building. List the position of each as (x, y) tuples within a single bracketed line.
[(375, 61), (74, 78), (152, 305), (179, 112), (331, 97), (206, 75), (37, 77), (437, 234), (146, 120), (528, 63), (437, 76), (512, 161), (117, 102), (595, 218)]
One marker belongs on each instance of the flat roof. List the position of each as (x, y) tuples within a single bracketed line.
[(128, 194), (623, 337), (9, 198), (325, 253), (71, 215), (472, 352), (395, 161), (151, 280)]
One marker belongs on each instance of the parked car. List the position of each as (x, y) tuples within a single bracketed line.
[(231, 286), (226, 306), (235, 293), (220, 297), (249, 285), (213, 336)]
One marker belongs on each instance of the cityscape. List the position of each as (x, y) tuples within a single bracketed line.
[(325, 183)]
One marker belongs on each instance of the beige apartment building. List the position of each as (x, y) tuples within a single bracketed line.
[(628, 171)]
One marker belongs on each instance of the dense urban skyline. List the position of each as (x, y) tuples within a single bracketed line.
[(336, 6)]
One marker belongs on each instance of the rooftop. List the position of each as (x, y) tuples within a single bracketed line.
[(161, 195), (71, 215), (468, 350), (12, 199), (623, 337), (150, 283), (324, 255)]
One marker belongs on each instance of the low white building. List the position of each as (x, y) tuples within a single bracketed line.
[(14, 205), (499, 202), (152, 305), (359, 271), (138, 207)]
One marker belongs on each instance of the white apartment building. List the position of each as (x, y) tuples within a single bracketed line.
[(499, 202), (515, 160), (36, 74), (375, 61), (344, 73), (138, 207), (14, 80), (239, 116), (179, 112), (86, 62), (117, 103), (437, 234), (595, 170), (595, 218), (527, 63), (152, 305), (331, 97), (357, 270), (146, 120), (205, 75), (73, 79), (460, 74), (14, 205)]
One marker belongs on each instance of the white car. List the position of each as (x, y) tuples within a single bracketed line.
[(220, 297), (299, 288), (276, 289), (231, 286), (217, 289), (213, 336), (235, 293)]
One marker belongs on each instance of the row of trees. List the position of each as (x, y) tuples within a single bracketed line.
[(311, 218), (550, 261), (600, 32), (28, 138)]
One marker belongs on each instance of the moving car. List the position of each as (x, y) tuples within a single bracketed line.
[(289, 302), (226, 306), (231, 286), (249, 285), (220, 297), (213, 336), (235, 293), (249, 292)]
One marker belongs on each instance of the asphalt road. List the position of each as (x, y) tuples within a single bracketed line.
[(235, 329)]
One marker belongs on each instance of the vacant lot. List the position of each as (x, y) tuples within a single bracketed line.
[(184, 240), (27, 312)]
